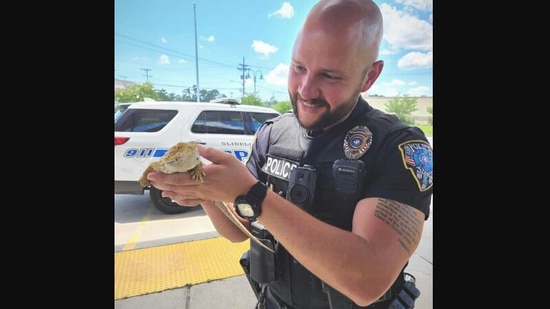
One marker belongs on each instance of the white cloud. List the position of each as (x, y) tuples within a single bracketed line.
[(263, 48), (385, 51), (396, 82), (424, 5), (419, 91), (378, 89), (209, 38), (396, 88), (278, 76), (403, 30), (164, 59), (415, 60), (164, 40), (286, 11)]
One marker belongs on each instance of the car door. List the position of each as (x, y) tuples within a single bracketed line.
[(225, 130)]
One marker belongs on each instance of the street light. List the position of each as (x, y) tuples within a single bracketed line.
[(254, 75)]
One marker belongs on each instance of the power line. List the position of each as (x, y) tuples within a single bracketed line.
[(244, 68)]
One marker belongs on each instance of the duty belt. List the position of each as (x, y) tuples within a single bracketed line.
[(268, 300)]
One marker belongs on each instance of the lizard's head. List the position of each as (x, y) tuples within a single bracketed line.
[(182, 157)]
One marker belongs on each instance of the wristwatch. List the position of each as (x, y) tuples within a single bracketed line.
[(249, 206)]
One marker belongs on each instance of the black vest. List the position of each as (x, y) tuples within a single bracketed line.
[(290, 146)]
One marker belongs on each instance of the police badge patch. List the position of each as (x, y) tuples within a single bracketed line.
[(357, 142), (417, 157)]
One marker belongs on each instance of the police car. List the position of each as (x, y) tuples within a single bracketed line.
[(120, 108), (145, 131)]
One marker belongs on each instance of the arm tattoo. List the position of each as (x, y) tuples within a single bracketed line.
[(401, 218)]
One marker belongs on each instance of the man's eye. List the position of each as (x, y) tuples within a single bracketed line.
[(298, 68)]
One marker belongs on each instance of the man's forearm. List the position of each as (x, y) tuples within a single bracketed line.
[(222, 224)]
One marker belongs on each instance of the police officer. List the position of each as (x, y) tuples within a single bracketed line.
[(338, 189)]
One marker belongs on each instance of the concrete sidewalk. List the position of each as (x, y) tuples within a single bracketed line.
[(235, 292)]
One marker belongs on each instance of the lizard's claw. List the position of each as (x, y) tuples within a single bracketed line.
[(197, 174)]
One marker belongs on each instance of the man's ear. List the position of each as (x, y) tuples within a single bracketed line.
[(372, 74)]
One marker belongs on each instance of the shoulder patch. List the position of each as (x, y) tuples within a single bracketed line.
[(417, 156)]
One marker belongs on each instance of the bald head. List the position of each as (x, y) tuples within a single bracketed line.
[(334, 59), (358, 21)]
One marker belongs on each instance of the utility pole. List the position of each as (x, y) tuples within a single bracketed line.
[(147, 74), (243, 67), (196, 54), (254, 74)]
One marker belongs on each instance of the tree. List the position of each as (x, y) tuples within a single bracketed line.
[(251, 99), (164, 96), (190, 94), (402, 107), (430, 110), (136, 93), (207, 95), (272, 101), (282, 107)]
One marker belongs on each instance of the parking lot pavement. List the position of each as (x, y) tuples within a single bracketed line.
[(235, 292)]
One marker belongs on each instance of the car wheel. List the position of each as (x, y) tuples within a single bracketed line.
[(166, 205)]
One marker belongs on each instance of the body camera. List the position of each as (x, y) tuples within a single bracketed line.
[(301, 186)]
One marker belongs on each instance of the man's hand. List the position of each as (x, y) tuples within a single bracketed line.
[(225, 178)]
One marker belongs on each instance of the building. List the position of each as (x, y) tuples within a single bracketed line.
[(121, 84), (421, 115)]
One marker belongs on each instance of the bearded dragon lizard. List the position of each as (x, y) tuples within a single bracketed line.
[(184, 157)]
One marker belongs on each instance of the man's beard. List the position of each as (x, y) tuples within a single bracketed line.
[(330, 117)]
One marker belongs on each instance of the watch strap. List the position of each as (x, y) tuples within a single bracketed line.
[(258, 192), (254, 197)]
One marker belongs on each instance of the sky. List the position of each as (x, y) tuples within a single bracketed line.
[(160, 41)]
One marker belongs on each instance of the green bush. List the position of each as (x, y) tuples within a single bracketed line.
[(426, 128)]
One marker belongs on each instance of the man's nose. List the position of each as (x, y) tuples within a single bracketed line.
[(309, 88)]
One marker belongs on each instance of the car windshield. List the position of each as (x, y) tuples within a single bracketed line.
[(119, 110)]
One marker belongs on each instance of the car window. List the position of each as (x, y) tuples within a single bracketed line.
[(120, 108), (118, 114), (144, 120), (259, 118), (221, 122)]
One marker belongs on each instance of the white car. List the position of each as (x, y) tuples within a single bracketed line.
[(120, 108), (145, 131)]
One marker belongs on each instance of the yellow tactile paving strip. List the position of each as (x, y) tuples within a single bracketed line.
[(155, 269)]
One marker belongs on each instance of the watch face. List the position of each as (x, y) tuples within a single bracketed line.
[(245, 210)]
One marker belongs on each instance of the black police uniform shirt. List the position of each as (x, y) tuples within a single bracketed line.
[(397, 165)]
